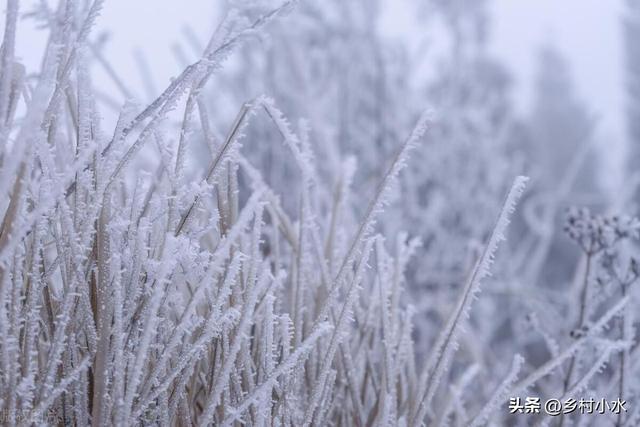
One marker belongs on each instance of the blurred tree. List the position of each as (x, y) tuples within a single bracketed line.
[(631, 27), (558, 141), (466, 160), (560, 125)]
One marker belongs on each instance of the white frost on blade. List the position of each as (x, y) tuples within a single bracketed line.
[(447, 342)]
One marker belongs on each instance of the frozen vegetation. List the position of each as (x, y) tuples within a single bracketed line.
[(318, 235)]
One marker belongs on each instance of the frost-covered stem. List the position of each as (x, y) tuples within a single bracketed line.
[(446, 343), (373, 209), (57, 346), (597, 367), (626, 332), (297, 299), (500, 394), (103, 317), (222, 376), (149, 325), (65, 68), (388, 389), (328, 248), (290, 362), (221, 156), (9, 220), (584, 296), (336, 338), (117, 394), (6, 70), (58, 390), (455, 396), (32, 325), (554, 363), (182, 326)]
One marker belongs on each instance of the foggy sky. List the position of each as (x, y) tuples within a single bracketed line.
[(587, 32)]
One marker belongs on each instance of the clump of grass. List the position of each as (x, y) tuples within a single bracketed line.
[(133, 297)]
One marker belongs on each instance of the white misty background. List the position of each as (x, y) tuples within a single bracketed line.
[(317, 213)]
